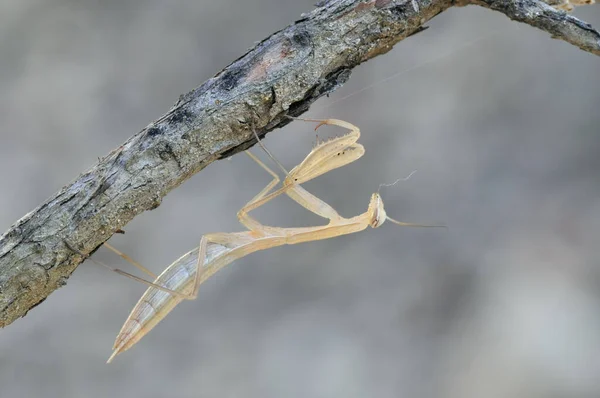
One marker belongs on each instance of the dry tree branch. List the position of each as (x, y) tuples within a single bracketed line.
[(282, 75)]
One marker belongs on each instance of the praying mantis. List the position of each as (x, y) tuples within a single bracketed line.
[(182, 279)]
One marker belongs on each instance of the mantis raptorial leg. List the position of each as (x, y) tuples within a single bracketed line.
[(184, 276)]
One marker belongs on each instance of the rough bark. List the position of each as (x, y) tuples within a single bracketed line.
[(281, 76)]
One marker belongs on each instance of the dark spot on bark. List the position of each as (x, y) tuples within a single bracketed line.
[(180, 115), (400, 11), (334, 80), (153, 131), (273, 98), (301, 38), (299, 107), (228, 80)]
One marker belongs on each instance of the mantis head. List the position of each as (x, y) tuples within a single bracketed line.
[(379, 216), (376, 210)]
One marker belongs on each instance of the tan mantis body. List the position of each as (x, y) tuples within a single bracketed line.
[(183, 277)]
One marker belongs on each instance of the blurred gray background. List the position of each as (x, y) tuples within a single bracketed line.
[(500, 121)]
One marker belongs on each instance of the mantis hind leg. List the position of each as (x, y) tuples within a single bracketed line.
[(130, 260), (127, 274)]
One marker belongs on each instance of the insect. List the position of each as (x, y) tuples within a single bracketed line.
[(181, 280)]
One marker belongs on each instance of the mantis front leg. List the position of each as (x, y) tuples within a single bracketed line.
[(295, 192), (325, 157)]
